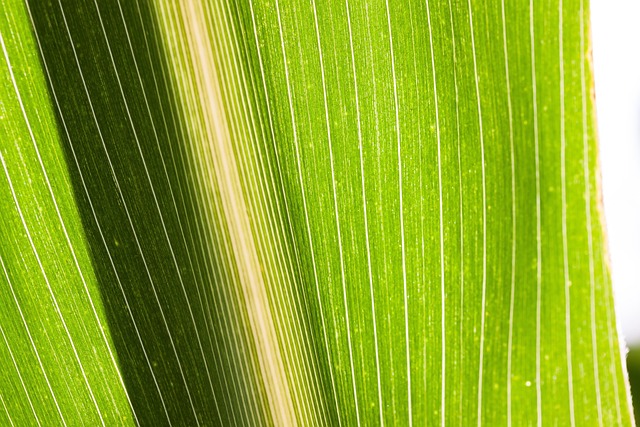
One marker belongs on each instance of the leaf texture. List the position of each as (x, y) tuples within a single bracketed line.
[(292, 212)]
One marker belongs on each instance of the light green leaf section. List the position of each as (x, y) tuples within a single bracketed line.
[(294, 212)]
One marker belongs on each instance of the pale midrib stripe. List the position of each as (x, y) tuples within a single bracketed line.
[(403, 250), (294, 326), (199, 156), (243, 120), (290, 324), (441, 226), (238, 223), (513, 216), (484, 220), (290, 329), (228, 76), (538, 219), (195, 160), (273, 234), (366, 221)]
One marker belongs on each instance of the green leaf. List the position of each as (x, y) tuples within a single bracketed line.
[(302, 213)]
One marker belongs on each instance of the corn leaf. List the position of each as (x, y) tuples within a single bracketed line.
[(288, 212)]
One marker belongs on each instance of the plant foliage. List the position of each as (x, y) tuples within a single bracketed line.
[(293, 212)]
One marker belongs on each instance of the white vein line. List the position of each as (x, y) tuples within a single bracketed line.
[(67, 238), (384, 263), (460, 200), (376, 115), (126, 208), (24, 387), (513, 213), (484, 220), (587, 198), (6, 410), (616, 356), (46, 278), (565, 249), (538, 219), (55, 98), (26, 327), (366, 221), (442, 278), (157, 205), (336, 213), (404, 264)]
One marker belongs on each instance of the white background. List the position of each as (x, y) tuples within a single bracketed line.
[(616, 53)]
